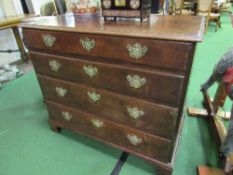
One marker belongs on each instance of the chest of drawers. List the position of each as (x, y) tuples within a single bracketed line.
[(122, 83)]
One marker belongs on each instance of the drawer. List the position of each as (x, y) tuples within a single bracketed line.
[(141, 83), (150, 117), (125, 138), (158, 53)]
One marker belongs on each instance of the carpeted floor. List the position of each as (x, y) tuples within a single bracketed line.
[(29, 147)]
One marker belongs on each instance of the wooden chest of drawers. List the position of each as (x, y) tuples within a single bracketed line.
[(122, 83)]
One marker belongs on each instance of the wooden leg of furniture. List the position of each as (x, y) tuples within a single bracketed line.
[(54, 126), (206, 25), (203, 170), (23, 53), (219, 22)]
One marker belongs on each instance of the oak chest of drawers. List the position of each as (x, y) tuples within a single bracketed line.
[(122, 83)]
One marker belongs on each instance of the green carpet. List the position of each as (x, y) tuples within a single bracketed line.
[(29, 147)]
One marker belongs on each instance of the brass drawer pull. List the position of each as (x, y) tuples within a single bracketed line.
[(61, 92), (97, 123), (93, 96), (133, 139), (137, 51), (49, 40), (67, 116), (134, 112), (90, 70), (87, 44), (54, 65), (135, 81)]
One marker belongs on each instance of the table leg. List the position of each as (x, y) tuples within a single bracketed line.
[(23, 53)]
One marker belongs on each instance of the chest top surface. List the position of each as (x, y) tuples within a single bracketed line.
[(180, 28)]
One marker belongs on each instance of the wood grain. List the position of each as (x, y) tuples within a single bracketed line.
[(160, 87), (165, 54), (174, 28), (111, 132), (158, 119)]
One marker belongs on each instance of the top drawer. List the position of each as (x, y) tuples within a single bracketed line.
[(158, 53)]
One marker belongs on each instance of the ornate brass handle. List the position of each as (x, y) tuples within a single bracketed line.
[(97, 123), (135, 81), (137, 51), (93, 96), (61, 92), (67, 116), (90, 70), (134, 112), (133, 139), (54, 65), (87, 43), (49, 40)]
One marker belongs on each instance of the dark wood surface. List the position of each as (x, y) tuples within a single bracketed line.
[(111, 132), (160, 87), (181, 28), (160, 53), (158, 119), (166, 66)]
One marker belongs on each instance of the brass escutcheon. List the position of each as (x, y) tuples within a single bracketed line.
[(90, 70), (133, 139), (134, 112), (67, 116), (136, 81), (87, 43), (137, 51), (54, 65), (49, 40)]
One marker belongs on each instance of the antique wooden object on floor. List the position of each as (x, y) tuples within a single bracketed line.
[(12, 22), (122, 83), (126, 8), (204, 9), (216, 126), (210, 171)]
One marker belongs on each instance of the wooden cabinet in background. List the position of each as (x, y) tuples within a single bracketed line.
[(121, 83)]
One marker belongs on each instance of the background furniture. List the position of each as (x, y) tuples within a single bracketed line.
[(12, 22), (204, 9), (226, 6), (105, 81), (179, 8), (215, 118)]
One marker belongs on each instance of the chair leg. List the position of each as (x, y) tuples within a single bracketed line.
[(219, 23), (206, 25)]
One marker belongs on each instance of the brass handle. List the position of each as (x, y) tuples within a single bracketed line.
[(97, 123), (133, 139), (90, 70), (134, 112), (137, 51), (87, 43), (49, 40), (54, 65), (61, 92), (67, 116), (93, 96), (136, 81)]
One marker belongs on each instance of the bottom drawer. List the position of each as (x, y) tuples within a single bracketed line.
[(128, 139)]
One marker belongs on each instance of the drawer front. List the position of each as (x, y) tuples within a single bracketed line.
[(152, 85), (129, 139), (158, 53), (156, 119)]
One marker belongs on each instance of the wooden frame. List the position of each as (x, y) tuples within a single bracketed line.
[(217, 127)]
